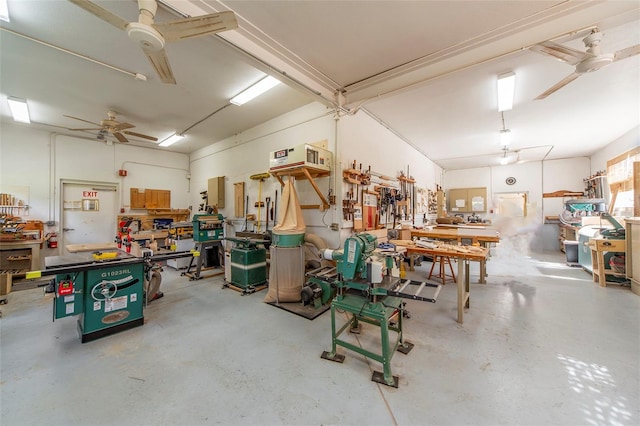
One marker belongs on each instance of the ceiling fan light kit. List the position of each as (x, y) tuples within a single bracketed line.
[(113, 126), (505, 137), (507, 157)]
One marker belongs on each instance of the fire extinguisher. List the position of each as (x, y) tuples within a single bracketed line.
[(52, 241)]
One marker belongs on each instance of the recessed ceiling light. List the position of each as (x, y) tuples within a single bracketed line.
[(19, 109)]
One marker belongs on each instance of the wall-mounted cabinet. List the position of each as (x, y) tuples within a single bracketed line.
[(467, 200), (215, 192), (150, 198)]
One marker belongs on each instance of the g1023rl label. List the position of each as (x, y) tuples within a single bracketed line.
[(115, 273)]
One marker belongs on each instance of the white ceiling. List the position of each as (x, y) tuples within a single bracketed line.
[(427, 69)]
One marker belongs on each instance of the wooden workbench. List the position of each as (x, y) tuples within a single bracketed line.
[(23, 249), (484, 237), (479, 254), (600, 246)]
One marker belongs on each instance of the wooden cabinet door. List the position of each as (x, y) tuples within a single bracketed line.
[(150, 198), (157, 199), (137, 200)]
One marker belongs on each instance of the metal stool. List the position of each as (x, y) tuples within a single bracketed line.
[(442, 273)]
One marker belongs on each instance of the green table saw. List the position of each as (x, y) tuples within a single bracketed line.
[(107, 294), (106, 290)]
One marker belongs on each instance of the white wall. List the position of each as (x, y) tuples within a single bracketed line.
[(364, 140), (24, 162), (39, 160), (246, 154), (534, 178), (350, 138), (624, 143)]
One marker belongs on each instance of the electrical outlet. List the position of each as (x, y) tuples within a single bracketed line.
[(335, 227)]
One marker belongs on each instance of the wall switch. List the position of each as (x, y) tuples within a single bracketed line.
[(335, 227)]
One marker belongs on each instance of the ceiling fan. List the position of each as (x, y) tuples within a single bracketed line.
[(113, 126), (589, 61), (151, 36)]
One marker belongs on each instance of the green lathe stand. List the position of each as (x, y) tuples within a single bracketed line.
[(382, 314)]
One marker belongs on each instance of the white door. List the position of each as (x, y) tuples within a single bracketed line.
[(88, 213)]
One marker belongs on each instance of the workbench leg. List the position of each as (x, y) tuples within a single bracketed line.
[(411, 257), (602, 276), (460, 284), (483, 272), (466, 282), (595, 275)]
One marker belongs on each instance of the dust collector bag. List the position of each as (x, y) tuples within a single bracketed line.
[(290, 213), (286, 274)]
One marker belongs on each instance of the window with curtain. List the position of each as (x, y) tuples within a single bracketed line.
[(620, 178)]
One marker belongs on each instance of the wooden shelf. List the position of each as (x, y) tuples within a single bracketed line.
[(309, 173), (562, 193)]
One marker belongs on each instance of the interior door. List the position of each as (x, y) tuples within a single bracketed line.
[(88, 213)]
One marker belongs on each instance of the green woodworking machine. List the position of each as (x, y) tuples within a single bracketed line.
[(363, 285), (106, 290), (248, 265)]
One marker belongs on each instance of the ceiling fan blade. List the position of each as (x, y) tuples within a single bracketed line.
[(120, 137), (558, 51), (568, 79), (122, 126), (625, 53), (80, 119), (140, 135), (101, 13), (197, 26), (160, 63), (91, 128)]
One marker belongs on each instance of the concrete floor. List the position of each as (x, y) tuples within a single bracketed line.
[(541, 344)]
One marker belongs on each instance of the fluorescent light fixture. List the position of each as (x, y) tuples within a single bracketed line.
[(19, 109), (4, 11), (506, 90), (254, 91), (505, 137), (171, 139)]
